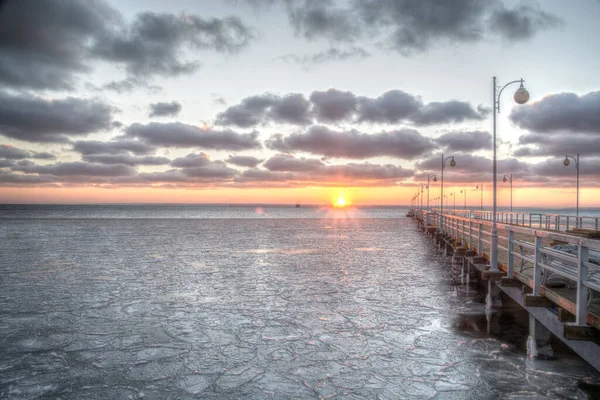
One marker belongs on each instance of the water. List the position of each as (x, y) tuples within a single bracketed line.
[(155, 302)]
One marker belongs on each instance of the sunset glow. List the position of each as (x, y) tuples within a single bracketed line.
[(340, 202)]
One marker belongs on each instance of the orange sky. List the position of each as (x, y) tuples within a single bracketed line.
[(530, 197)]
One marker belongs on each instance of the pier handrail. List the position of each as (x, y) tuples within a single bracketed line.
[(557, 222), (580, 265)]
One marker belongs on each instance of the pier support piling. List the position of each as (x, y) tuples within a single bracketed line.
[(493, 300), (538, 342)]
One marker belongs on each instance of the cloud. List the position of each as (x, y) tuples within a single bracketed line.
[(289, 163), (15, 153), (390, 107), (465, 141), (415, 26), (334, 105), (46, 44), (470, 168), (191, 161), (244, 161), (176, 134), (34, 119), (125, 159), (322, 57), (292, 108), (313, 19), (522, 22), (112, 147), (405, 143), (76, 168), (162, 109), (130, 84), (560, 112), (558, 144), (153, 43)]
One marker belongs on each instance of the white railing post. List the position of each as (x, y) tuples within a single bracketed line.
[(537, 268), (470, 234), (511, 246), (480, 240), (582, 290)]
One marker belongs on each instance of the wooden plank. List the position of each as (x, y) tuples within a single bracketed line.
[(492, 275), (479, 260), (510, 282), (578, 332), (565, 316), (531, 300)]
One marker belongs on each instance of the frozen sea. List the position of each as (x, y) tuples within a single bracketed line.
[(178, 302)]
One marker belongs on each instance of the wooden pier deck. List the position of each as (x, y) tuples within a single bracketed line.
[(554, 275)]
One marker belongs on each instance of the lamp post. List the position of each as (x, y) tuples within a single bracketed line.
[(421, 196), (453, 194), (521, 96), (452, 164), (429, 178), (465, 192), (508, 178), (480, 187), (566, 163)]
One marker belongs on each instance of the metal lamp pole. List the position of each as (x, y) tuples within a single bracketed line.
[(509, 179), (452, 164), (429, 178), (465, 192), (566, 163), (521, 96)]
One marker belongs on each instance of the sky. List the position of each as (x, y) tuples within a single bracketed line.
[(297, 101)]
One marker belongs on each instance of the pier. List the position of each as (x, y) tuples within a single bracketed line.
[(548, 264)]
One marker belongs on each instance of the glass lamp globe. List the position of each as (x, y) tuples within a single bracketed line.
[(566, 162), (504, 179), (435, 178), (521, 95), (452, 163)]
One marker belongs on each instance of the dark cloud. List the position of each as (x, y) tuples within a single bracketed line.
[(125, 159), (216, 169), (112, 147), (465, 141), (11, 179), (558, 144), (292, 108), (560, 112), (406, 143), (554, 167), (176, 134), (316, 18), (390, 107), (522, 22), (289, 163), (302, 172), (34, 119), (192, 161), (446, 112), (468, 165), (44, 44), (333, 105), (76, 168), (130, 84), (161, 109), (415, 26), (153, 43), (14, 153), (330, 55), (244, 161)]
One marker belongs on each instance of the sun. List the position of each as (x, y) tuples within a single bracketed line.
[(340, 202)]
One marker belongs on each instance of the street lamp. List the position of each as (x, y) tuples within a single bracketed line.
[(429, 178), (465, 192), (452, 164), (481, 206), (566, 163), (453, 194), (521, 96), (508, 178)]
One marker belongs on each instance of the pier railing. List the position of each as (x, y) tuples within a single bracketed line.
[(555, 222), (550, 256)]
